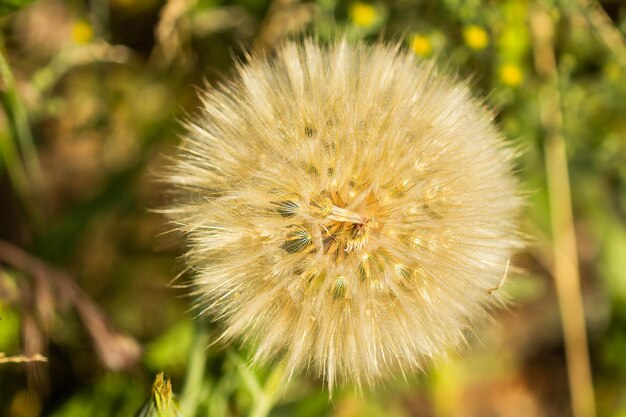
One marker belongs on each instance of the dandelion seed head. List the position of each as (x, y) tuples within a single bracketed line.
[(347, 209)]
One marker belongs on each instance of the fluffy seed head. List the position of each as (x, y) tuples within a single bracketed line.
[(347, 208)]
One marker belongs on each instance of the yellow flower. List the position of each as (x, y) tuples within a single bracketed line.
[(82, 32), (421, 45), (363, 15), (348, 209), (476, 37), (511, 74)]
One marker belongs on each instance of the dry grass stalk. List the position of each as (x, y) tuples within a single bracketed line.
[(566, 273), (284, 17), (172, 32), (22, 358)]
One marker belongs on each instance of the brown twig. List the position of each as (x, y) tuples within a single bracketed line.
[(172, 32), (33, 341), (603, 25), (566, 273), (116, 350)]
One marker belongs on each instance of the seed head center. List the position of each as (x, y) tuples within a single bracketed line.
[(349, 230)]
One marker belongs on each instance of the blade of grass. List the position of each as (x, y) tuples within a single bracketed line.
[(264, 397), (18, 121), (195, 386), (17, 148)]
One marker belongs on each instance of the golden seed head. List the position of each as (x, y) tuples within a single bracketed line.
[(347, 209)]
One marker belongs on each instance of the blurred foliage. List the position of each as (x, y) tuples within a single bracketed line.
[(8, 6), (92, 94)]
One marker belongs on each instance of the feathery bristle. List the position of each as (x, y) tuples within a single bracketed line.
[(348, 209)]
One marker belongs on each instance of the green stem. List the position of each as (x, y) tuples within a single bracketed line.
[(17, 148), (194, 384), (262, 407), (17, 120), (264, 397)]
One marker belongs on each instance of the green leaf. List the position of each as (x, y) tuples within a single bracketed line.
[(170, 350), (9, 329), (10, 6)]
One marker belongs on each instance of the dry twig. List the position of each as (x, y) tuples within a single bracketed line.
[(22, 359), (603, 25), (116, 350)]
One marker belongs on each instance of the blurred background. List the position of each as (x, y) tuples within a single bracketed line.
[(92, 93)]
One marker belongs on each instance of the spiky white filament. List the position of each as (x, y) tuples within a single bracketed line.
[(347, 208)]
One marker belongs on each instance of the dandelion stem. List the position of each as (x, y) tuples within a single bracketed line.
[(566, 273)]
